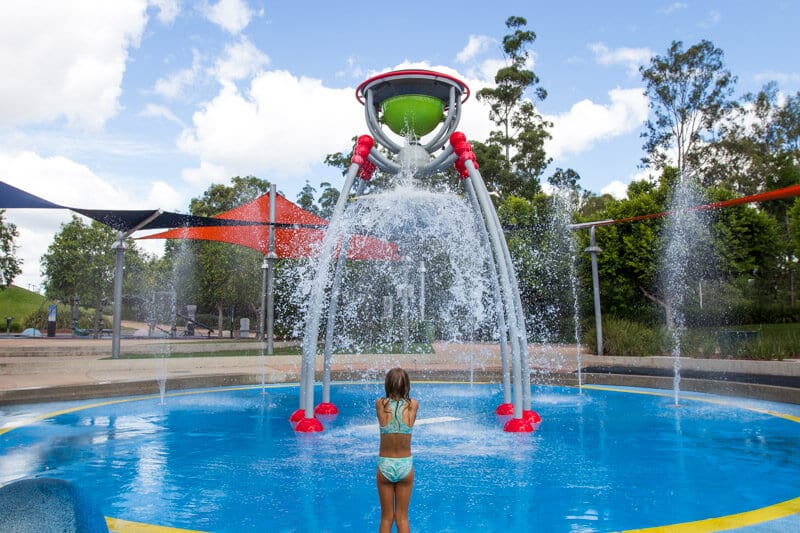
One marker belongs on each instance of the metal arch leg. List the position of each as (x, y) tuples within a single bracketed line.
[(333, 306), (519, 313), (317, 295), (495, 236), (501, 311)]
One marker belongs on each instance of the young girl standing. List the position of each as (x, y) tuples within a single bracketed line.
[(395, 476)]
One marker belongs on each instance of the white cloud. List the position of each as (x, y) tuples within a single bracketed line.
[(712, 19), (617, 189), (204, 175), (475, 45), (160, 111), (66, 60), (163, 195), (283, 124), (167, 10), (630, 58), (172, 86), (240, 61), (231, 15), (64, 182), (587, 122), (675, 6)]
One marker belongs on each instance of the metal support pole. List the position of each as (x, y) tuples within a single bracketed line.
[(262, 310), (273, 190), (311, 333), (501, 311), (333, 308), (119, 245), (593, 249), (404, 290), (516, 312), (495, 236), (116, 331), (421, 271)]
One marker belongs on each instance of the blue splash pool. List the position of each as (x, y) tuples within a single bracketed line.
[(602, 460)]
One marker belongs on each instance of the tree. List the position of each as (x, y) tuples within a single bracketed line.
[(10, 265), (305, 198), (522, 130), (80, 262), (218, 275), (688, 92)]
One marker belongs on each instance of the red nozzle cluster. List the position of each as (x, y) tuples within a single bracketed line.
[(365, 173), (361, 151), (464, 152)]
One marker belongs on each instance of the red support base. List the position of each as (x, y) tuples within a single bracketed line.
[(505, 409), (518, 425), (532, 417), (308, 425), (297, 416), (326, 409)]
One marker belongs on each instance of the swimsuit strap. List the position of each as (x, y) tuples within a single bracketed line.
[(396, 424)]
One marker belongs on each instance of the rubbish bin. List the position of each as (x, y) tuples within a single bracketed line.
[(244, 328)]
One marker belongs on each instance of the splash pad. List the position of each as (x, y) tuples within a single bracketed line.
[(413, 104), (225, 460)]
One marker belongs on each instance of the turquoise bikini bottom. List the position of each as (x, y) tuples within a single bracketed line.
[(395, 469)]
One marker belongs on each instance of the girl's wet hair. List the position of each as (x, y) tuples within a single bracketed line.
[(397, 384)]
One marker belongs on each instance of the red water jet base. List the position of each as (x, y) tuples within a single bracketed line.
[(297, 416), (518, 425), (308, 425), (532, 417), (326, 409), (505, 409)]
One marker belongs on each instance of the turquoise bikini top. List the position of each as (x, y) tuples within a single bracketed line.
[(396, 424)]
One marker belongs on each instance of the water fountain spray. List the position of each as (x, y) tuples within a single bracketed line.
[(413, 104)]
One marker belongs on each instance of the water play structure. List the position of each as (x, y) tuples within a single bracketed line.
[(422, 108)]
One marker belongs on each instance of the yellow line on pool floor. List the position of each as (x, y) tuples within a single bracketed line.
[(117, 525), (731, 521)]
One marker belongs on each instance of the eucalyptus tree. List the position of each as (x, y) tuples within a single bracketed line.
[(522, 131), (688, 92)]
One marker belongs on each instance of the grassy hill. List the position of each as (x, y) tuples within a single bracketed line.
[(18, 303)]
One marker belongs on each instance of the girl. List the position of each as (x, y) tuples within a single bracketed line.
[(395, 476)]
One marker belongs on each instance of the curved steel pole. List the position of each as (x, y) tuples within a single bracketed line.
[(495, 236), (518, 312), (501, 311), (333, 308), (317, 295)]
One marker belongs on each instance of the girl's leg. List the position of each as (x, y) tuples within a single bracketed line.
[(386, 495), (402, 497)]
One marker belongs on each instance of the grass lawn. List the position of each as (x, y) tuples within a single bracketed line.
[(18, 303)]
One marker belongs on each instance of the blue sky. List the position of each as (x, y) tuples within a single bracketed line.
[(144, 103)]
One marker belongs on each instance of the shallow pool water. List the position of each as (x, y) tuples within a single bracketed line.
[(228, 460)]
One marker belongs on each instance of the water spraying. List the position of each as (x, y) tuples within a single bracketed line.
[(468, 265)]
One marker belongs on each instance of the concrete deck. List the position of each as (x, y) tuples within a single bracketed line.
[(49, 369)]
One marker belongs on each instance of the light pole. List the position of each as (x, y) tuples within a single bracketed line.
[(593, 249)]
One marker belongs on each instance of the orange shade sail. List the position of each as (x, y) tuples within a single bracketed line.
[(298, 233)]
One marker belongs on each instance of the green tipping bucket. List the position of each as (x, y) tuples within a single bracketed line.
[(415, 113)]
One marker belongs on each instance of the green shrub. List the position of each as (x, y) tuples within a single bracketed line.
[(628, 338)]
